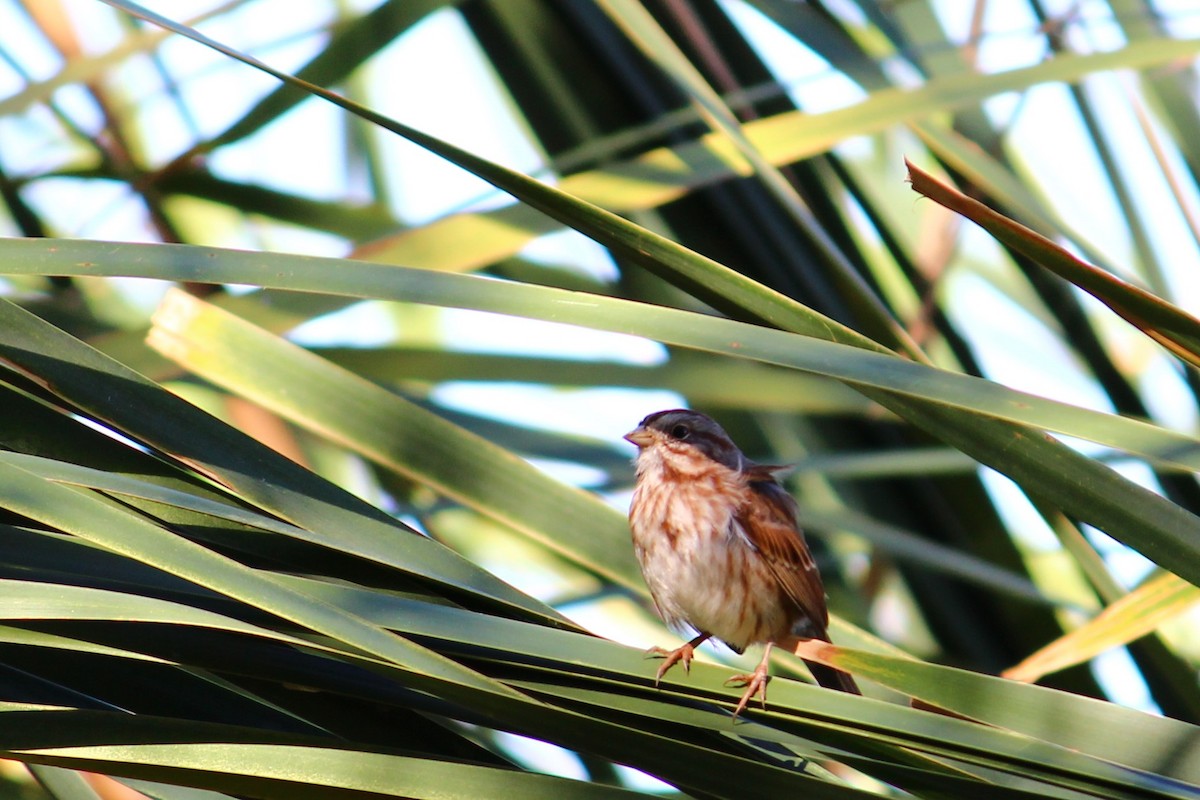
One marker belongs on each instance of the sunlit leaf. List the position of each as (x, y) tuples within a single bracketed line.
[(1133, 616)]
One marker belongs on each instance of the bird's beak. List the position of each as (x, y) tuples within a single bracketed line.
[(640, 436)]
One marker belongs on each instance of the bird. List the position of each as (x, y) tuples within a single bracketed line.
[(720, 549)]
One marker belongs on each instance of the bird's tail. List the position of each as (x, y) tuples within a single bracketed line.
[(828, 677), (832, 678)]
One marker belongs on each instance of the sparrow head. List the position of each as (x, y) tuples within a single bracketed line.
[(679, 433)]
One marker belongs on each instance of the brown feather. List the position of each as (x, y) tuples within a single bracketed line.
[(769, 522)]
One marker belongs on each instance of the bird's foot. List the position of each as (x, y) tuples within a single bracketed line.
[(755, 683), (683, 654)]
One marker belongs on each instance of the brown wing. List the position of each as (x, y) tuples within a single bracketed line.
[(769, 522)]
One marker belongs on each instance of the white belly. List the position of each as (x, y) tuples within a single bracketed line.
[(701, 570)]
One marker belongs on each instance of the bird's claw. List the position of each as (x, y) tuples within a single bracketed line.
[(682, 654), (755, 683)]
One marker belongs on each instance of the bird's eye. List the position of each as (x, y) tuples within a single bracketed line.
[(680, 431)]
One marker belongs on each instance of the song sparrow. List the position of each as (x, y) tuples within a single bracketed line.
[(720, 549)]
